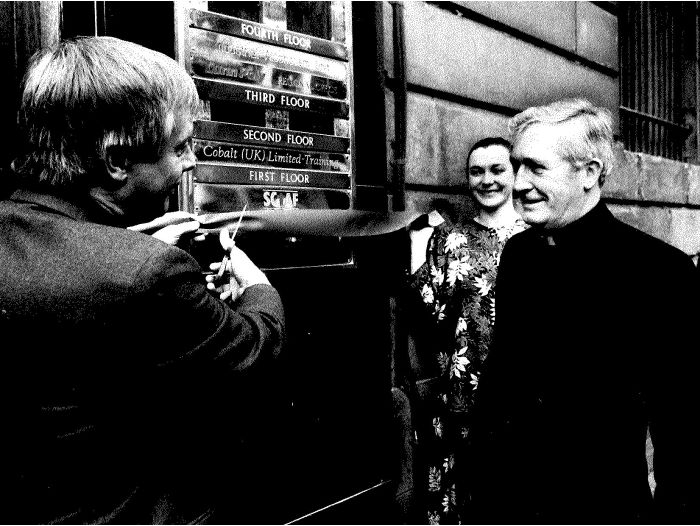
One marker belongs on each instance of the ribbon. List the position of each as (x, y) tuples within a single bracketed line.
[(324, 222)]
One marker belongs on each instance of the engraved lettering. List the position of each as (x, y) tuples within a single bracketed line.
[(294, 102), (261, 176), (300, 139), (298, 41), (295, 178), (272, 199), (322, 162), (260, 32), (262, 136), (259, 96)]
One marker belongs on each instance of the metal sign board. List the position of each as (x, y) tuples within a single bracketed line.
[(225, 198), (303, 160), (276, 130), (240, 133), (242, 174), (262, 33), (270, 77), (225, 50), (229, 91)]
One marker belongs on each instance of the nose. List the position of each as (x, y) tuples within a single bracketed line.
[(487, 178), (190, 160), (522, 181)]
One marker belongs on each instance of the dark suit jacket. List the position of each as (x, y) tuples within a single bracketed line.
[(124, 381), (595, 339)]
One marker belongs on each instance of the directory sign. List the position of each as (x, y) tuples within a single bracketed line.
[(276, 125)]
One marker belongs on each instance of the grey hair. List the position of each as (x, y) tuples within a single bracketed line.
[(88, 96), (589, 135)]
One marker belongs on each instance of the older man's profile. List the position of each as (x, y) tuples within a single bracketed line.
[(593, 345)]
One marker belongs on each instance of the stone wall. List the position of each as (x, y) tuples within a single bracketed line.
[(656, 195), (472, 65)]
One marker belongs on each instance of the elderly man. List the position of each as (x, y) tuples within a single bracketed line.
[(123, 378), (593, 345)]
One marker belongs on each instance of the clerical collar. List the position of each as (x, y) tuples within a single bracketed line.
[(579, 231)]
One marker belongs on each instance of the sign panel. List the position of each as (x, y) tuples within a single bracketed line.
[(270, 77), (228, 91), (237, 153), (276, 132), (227, 198), (225, 50), (240, 174), (261, 33), (240, 133)]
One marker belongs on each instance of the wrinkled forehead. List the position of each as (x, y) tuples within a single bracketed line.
[(551, 134), (545, 140)]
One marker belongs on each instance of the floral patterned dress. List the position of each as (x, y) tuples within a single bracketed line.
[(456, 286)]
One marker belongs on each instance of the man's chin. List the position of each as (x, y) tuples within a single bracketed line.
[(532, 218)]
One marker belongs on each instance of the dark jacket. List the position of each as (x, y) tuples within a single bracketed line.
[(595, 340), (124, 381)]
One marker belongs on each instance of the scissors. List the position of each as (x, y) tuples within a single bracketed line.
[(225, 260)]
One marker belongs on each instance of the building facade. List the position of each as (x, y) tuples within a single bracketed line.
[(418, 84), (471, 65)]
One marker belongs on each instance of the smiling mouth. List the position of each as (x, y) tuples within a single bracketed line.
[(531, 202)]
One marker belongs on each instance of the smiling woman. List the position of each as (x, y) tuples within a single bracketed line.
[(454, 290), (491, 178)]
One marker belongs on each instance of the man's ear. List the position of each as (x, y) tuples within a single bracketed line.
[(593, 169), (117, 165)]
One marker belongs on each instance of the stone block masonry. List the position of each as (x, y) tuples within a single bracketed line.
[(657, 195)]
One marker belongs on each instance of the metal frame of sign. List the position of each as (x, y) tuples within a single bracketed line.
[(248, 65)]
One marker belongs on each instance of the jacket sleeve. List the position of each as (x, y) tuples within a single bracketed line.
[(202, 379), (197, 329), (674, 399)]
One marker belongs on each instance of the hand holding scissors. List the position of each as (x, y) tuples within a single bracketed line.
[(242, 271)]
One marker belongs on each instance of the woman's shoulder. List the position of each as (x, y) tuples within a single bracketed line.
[(447, 228)]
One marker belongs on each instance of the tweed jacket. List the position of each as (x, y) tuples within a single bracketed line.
[(595, 343), (124, 381)]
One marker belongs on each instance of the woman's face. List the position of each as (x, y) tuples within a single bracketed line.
[(491, 176)]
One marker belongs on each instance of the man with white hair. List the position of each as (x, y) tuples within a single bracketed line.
[(593, 346)]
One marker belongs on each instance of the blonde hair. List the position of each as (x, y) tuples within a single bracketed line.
[(87, 96), (589, 133)]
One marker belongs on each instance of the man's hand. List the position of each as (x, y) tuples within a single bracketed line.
[(242, 272), (171, 234), (170, 227)]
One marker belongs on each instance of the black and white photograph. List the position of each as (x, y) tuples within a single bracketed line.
[(250, 253)]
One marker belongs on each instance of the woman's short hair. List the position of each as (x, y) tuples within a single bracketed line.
[(590, 132), (489, 141), (485, 143), (88, 96)]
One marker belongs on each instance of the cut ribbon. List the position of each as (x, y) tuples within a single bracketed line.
[(325, 222)]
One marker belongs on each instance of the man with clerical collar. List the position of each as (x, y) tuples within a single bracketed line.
[(593, 347)]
